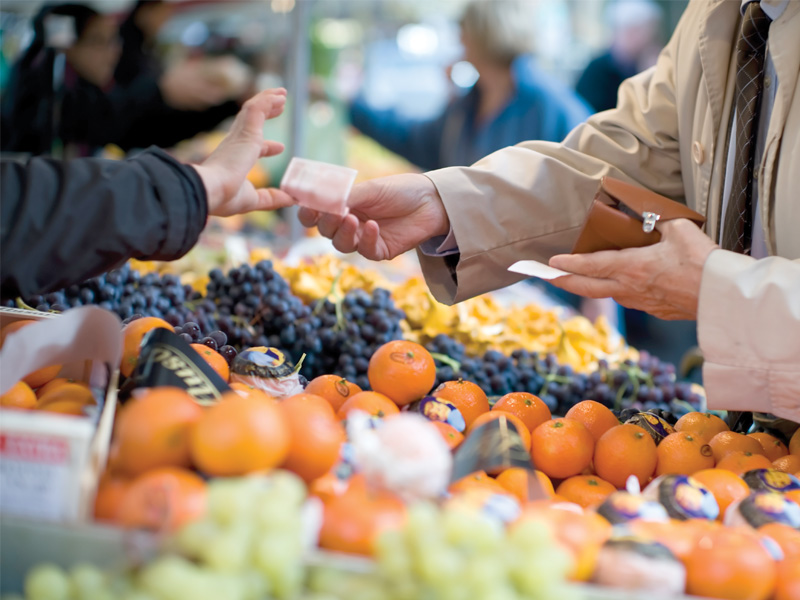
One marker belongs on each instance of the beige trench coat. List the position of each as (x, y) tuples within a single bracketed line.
[(668, 133)]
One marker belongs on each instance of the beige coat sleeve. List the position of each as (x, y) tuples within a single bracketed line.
[(748, 326), (529, 201)]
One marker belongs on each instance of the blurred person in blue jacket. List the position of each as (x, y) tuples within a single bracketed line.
[(512, 100), (635, 44)]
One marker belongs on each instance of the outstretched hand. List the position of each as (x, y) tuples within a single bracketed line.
[(388, 216), (662, 279), (224, 172)]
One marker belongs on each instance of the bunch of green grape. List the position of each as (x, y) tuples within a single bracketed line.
[(454, 554), (249, 546)]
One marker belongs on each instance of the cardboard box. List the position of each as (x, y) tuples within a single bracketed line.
[(50, 463)]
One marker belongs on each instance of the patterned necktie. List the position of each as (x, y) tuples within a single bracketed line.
[(750, 53)]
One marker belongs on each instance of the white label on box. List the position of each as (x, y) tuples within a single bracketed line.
[(34, 472)]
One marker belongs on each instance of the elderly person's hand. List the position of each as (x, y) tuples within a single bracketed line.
[(662, 279), (224, 172)]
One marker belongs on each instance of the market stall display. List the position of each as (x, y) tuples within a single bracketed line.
[(356, 454)]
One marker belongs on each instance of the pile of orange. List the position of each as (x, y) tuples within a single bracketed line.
[(43, 389), (163, 430)]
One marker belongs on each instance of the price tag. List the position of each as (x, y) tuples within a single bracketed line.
[(35, 474)]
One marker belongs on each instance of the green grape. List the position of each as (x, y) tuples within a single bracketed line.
[(439, 565), (47, 582), (258, 587), (233, 499), (286, 488), (287, 583), (394, 561), (98, 594), (229, 551), (193, 538), (85, 580), (136, 595)]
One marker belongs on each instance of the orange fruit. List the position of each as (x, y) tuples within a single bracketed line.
[(132, 335), (315, 436), (65, 407), (585, 490), (683, 453), (239, 435), (596, 418), (373, 403), (787, 537), (479, 480), (12, 327), (153, 429), (467, 397), (741, 462), (57, 383), (163, 499), (730, 563), (214, 359), (327, 486), (515, 481), (19, 396), (773, 447), (402, 370), (304, 398), (787, 586), (726, 442), (524, 434), (110, 492), (793, 495), (679, 539), (451, 435), (531, 410), (794, 442), (788, 464), (726, 486), (561, 448), (41, 376), (68, 392), (249, 391), (623, 451), (333, 388), (353, 520), (704, 425)]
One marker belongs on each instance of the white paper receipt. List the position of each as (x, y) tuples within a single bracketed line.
[(318, 185), (536, 269)]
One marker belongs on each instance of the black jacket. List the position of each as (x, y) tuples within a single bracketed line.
[(63, 222)]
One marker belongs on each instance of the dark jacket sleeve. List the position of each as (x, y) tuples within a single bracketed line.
[(63, 222)]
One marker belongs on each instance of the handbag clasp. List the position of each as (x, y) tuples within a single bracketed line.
[(650, 219)]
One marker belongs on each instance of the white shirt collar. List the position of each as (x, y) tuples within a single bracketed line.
[(772, 8)]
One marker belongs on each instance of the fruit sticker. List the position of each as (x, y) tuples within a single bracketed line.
[(435, 409), (657, 427), (685, 498), (621, 507), (771, 480), (168, 360), (763, 507)]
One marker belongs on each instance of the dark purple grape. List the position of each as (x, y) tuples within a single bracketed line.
[(187, 338), (210, 342), (228, 352)]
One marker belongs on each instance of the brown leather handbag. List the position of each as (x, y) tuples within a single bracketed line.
[(623, 215)]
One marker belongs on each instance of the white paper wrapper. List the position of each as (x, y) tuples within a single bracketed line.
[(536, 269), (404, 454), (318, 185)]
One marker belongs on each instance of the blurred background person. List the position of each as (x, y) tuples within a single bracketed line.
[(85, 109), (90, 45), (511, 101), (196, 91), (635, 27)]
